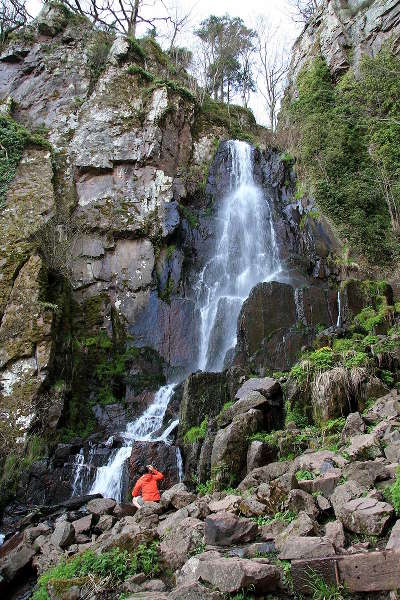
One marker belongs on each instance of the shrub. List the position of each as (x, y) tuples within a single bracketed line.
[(324, 591), (349, 146), (303, 474), (392, 493), (116, 564), (197, 433)]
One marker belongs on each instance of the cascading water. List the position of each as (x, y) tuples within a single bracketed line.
[(109, 478), (245, 254)]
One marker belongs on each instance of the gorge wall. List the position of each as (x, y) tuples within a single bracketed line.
[(108, 215)]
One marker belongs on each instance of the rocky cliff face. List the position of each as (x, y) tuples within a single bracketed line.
[(343, 30)]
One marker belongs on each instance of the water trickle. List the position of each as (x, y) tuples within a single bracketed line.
[(339, 317), (245, 254), (179, 464)]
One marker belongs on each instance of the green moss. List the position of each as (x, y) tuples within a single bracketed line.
[(189, 216), (137, 48), (97, 54), (349, 146), (14, 138), (143, 74)]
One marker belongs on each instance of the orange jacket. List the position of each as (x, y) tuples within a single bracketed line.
[(147, 485)]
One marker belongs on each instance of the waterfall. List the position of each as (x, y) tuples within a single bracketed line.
[(109, 477), (339, 317), (245, 254)]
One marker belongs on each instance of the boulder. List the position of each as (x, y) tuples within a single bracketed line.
[(63, 535), (232, 575), (178, 496), (264, 475), (197, 510), (229, 503), (251, 507), (273, 495), (266, 386), (15, 556), (366, 473), (343, 494), (260, 454), (300, 501), (83, 524), (226, 529), (335, 533), (386, 407), (271, 408), (363, 447), (320, 461), (354, 425), (394, 539), (230, 446), (157, 453), (101, 506), (105, 523), (193, 591), (392, 452), (273, 530), (306, 547), (366, 515), (324, 484), (126, 533), (300, 527), (330, 394), (177, 544)]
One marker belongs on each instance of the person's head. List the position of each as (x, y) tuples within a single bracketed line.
[(142, 471)]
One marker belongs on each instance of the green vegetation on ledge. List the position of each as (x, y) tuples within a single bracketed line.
[(14, 138), (348, 153)]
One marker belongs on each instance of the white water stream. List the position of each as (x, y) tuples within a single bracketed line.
[(245, 254)]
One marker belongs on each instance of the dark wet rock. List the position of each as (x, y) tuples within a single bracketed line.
[(273, 339), (259, 454), (230, 446), (271, 408)]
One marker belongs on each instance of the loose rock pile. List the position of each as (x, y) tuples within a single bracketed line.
[(235, 540)]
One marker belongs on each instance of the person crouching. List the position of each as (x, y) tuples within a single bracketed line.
[(146, 488)]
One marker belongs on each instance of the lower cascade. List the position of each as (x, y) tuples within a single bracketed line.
[(245, 253)]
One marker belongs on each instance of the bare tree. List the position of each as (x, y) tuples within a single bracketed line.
[(303, 10), (13, 15), (273, 67), (178, 21), (122, 16)]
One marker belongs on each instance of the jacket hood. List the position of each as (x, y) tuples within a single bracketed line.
[(147, 477)]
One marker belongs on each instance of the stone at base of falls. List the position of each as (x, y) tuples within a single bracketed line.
[(271, 338), (101, 506), (15, 555), (226, 529), (159, 454)]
